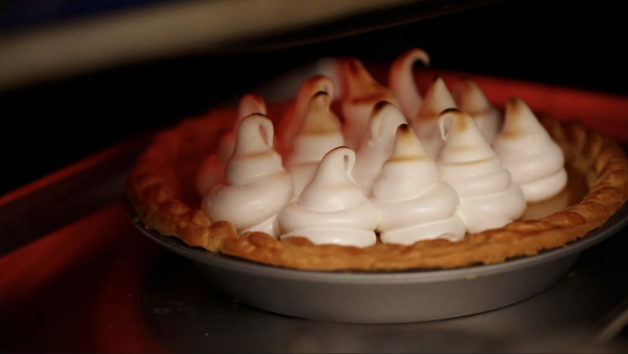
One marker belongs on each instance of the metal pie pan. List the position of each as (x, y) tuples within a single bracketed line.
[(388, 297)]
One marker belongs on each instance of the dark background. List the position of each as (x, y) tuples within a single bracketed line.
[(50, 124)]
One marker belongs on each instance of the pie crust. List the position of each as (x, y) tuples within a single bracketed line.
[(161, 191)]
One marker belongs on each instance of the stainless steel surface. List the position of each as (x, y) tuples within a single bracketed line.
[(188, 313), (614, 322), (185, 27), (389, 297)]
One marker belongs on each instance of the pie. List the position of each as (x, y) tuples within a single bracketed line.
[(162, 189)]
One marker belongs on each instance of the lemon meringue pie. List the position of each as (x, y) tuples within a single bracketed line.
[(433, 182)]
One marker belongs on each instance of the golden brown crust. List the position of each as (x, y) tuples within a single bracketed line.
[(160, 193)]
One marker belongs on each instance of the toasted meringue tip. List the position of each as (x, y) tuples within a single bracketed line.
[(253, 97), (451, 110), (438, 81), (515, 107), (406, 145), (514, 102), (321, 93), (318, 83), (344, 153), (359, 86), (435, 101), (350, 69), (449, 118), (413, 55), (462, 86), (312, 86), (258, 116), (470, 97), (319, 118), (342, 147), (253, 114), (354, 65), (403, 129), (384, 114), (439, 88), (380, 106), (321, 99), (249, 104), (418, 54)]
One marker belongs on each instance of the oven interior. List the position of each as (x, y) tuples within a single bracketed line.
[(60, 117)]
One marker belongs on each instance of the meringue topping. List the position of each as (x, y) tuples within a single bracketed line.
[(488, 197), (257, 186), (425, 123), (332, 208), (471, 100), (212, 168), (319, 134), (413, 203), (534, 160), (361, 93), (293, 119), (401, 81), (249, 104), (377, 144)]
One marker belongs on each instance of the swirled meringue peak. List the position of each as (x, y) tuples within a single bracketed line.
[(377, 144), (332, 209), (257, 186), (319, 134), (488, 197), (212, 168), (425, 123), (361, 93), (471, 100), (413, 203), (401, 81), (249, 104), (534, 160), (292, 121)]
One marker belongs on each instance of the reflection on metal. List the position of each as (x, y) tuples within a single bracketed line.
[(193, 26), (388, 297), (614, 323), (188, 314), (38, 208)]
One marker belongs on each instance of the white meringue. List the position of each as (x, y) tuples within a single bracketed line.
[(292, 121), (425, 123), (534, 160), (401, 81), (319, 134), (488, 197), (213, 167), (249, 104), (471, 100), (413, 203), (361, 93), (332, 209), (256, 187), (377, 144)]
